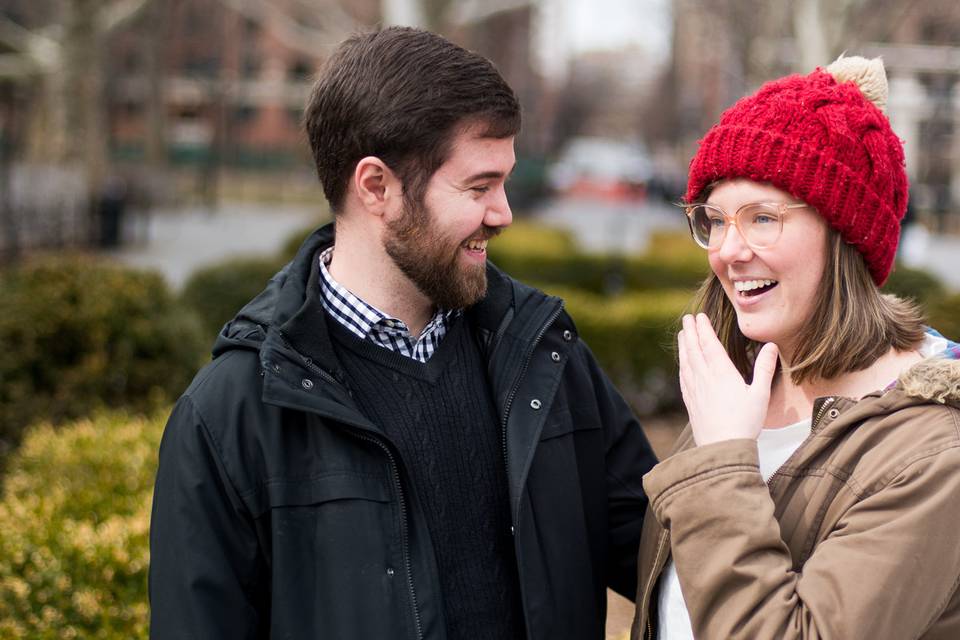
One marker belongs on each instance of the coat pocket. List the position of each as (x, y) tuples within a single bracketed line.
[(336, 561), (569, 420), (328, 487)]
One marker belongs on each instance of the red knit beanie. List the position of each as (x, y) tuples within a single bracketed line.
[(824, 142)]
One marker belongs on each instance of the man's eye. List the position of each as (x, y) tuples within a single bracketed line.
[(481, 189)]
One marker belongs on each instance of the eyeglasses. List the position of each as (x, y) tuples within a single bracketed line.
[(759, 223)]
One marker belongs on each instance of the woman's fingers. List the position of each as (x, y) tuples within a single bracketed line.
[(764, 367), (684, 366), (711, 347), (695, 362)]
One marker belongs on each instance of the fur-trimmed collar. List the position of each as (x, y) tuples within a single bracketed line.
[(936, 378)]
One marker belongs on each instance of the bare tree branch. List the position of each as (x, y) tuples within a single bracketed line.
[(117, 14), (42, 51), (309, 40), (335, 17), (16, 65)]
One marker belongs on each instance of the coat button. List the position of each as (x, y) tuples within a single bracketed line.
[(307, 384), (567, 335), (555, 356), (536, 404), (390, 571), (833, 413)]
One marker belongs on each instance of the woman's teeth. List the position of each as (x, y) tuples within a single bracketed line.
[(742, 286)]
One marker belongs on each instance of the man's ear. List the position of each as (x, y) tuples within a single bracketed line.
[(377, 187)]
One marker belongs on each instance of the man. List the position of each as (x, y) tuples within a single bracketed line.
[(395, 439)]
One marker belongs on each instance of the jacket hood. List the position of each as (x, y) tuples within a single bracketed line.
[(936, 378), (248, 328)]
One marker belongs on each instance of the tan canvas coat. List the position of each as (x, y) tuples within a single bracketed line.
[(857, 535)]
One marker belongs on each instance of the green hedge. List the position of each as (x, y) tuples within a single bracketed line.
[(78, 334), (217, 292), (632, 336), (944, 316), (917, 284), (74, 527), (532, 252)]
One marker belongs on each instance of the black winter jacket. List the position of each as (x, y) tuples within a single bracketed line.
[(281, 512)]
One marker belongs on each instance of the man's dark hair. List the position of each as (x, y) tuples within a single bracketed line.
[(401, 95)]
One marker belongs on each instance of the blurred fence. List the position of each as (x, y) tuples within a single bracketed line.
[(43, 206)]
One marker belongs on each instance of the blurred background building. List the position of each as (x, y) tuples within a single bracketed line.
[(167, 101)]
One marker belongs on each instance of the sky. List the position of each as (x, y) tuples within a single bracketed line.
[(568, 27), (610, 24)]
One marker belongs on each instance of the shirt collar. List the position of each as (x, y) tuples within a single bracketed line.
[(362, 318)]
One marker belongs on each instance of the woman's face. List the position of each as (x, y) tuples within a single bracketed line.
[(773, 289)]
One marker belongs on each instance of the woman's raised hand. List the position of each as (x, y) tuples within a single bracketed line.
[(720, 405)]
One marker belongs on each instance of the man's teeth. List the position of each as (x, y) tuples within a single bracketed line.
[(750, 285), (477, 245)]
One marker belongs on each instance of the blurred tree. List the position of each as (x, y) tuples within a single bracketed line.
[(821, 30), (65, 50)]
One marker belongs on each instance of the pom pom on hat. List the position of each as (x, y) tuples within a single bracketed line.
[(824, 139), (868, 75)]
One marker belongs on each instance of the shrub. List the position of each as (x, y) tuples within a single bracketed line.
[(79, 334), (632, 336), (217, 292), (917, 284), (944, 316), (533, 252), (292, 244), (74, 530)]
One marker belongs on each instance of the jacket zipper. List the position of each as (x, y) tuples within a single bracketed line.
[(826, 403), (404, 540), (404, 533), (513, 393), (647, 590), (813, 427)]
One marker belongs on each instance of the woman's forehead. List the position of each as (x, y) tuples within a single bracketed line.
[(738, 191)]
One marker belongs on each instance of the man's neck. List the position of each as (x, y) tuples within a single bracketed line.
[(363, 267)]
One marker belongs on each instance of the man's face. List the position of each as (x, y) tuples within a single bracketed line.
[(440, 243)]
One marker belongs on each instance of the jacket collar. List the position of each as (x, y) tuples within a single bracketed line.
[(287, 321)]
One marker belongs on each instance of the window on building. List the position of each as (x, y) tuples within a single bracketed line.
[(301, 70), (250, 65), (295, 115), (245, 113), (936, 30)]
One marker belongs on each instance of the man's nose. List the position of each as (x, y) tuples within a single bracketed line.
[(499, 213)]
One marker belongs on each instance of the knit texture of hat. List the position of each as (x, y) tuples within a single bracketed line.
[(824, 142)]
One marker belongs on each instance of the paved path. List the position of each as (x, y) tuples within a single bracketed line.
[(179, 241)]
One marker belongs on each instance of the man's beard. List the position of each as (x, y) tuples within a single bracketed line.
[(432, 262)]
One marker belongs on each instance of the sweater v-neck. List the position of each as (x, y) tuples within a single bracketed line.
[(429, 371)]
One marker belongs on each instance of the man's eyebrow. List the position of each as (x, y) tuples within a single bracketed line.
[(490, 175)]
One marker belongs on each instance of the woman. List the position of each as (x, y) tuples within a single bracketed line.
[(822, 499)]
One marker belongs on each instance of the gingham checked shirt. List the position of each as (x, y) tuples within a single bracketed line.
[(369, 323)]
